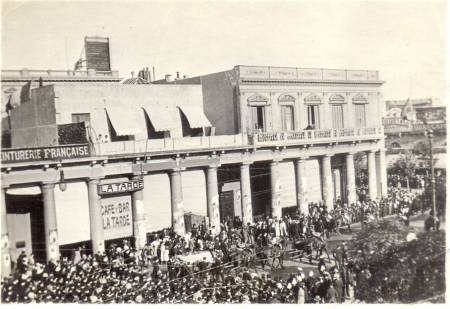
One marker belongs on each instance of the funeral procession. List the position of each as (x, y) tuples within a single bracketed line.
[(215, 152)]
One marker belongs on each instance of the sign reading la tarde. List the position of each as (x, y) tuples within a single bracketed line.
[(120, 187), (45, 153)]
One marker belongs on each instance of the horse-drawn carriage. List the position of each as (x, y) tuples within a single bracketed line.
[(305, 246), (251, 256)]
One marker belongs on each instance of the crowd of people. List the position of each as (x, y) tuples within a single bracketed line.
[(158, 274), (111, 278)]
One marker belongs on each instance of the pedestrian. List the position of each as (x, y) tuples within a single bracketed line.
[(332, 295), (301, 293)]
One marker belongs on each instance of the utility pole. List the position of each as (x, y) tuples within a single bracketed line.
[(433, 181)]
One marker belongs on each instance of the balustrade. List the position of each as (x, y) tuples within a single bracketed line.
[(263, 138)]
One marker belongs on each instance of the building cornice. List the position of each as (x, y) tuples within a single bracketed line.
[(310, 82)]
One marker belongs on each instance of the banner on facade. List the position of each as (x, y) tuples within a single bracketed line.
[(117, 217), (45, 153), (121, 187)]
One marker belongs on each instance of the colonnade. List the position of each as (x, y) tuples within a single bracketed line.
[(374, 159)]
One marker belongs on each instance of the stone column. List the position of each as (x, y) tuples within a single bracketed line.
[(372, 174), (213, 199), (95, 217), (50, 226), (246, 194), (139, 227), (381, 156), (275, 189), (300, 183), (351, 187), (327, 182), (6, 256), (177, 202)]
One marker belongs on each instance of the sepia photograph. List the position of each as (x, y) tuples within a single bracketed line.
[(224, 152)]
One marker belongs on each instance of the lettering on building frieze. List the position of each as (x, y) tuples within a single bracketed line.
[(45, 153)]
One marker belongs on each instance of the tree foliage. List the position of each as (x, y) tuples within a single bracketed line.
[(401, 271), (405, 165), (441, 195)]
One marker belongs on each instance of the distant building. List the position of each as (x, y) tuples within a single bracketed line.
[(407, 108), (415, 115), (93, 67), (406, 121)]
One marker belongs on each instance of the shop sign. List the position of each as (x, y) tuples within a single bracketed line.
[(117, 217), (121, 187), (45, 153)]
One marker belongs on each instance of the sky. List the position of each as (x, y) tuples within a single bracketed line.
[(404, 40)]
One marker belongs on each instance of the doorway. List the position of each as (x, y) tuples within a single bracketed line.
[(25, 215)]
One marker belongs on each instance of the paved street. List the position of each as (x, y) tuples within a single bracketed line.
[(417, 222)]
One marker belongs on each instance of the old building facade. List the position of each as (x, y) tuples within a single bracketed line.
[(173, 149)]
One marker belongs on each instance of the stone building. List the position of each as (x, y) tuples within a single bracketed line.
[(172, 149)]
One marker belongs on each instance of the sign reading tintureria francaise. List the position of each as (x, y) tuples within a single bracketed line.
[(121, 187), (45, 153)]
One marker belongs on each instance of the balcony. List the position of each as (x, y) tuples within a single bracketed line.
[(236, 141), (170, 144), (314, 136)]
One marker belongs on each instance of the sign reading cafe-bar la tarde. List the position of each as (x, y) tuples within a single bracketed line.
[(45, 153)]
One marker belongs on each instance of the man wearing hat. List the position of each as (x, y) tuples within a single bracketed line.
[(339, 286)]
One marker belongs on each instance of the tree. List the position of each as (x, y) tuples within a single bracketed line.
[(402, 267), (360, 160), (441, 195), (405, 166), (422, 149)]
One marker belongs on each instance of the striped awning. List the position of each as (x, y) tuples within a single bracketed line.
[(127, 121), (195, 116), (161, 118)]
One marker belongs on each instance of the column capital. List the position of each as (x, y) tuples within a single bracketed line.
[(177, 170), (213, 166), (371, 151), (351, 153), (48, 184), (274, 162), (246, 164), (93, 179), (138, 174)]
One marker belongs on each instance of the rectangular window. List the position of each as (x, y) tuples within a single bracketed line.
[(257, 118), (337, 114), (83, 117), (287, 117), (360, 115), (313, 117)]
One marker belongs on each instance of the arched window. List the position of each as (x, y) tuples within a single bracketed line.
[(359, 98), (286, 98), (257, 99), (395, 145), (337, 110), (257, 111), (337, 98), (287, 102), (360, 103), (312, 103), (313, 99)]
